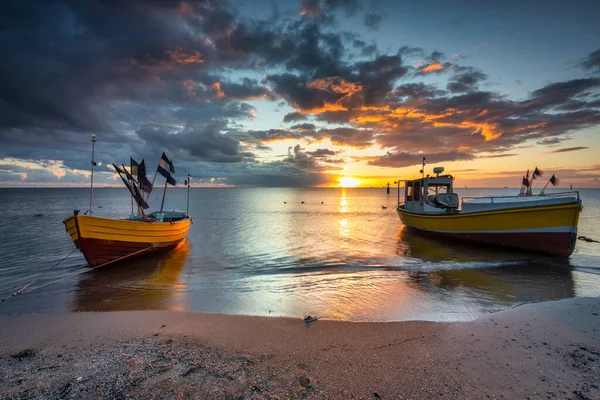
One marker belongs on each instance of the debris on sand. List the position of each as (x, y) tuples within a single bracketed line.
[(310, 318), (23, 354)]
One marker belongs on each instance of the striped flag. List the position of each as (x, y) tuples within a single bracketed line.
[(165, 168)]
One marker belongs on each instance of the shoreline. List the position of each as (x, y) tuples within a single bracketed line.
[(540, 350)]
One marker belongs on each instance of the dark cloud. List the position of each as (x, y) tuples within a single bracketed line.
[(418, 90), (321, 153), (551, 141), (567, 149), (365, 49), (304, 127), (498, 156), (373, 21), (466, 81), (208, 142), (592, 61), (294, 116)]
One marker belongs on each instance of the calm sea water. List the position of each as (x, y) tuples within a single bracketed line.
[(339, 255)]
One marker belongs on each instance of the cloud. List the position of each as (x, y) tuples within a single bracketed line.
[(404, 159), (321, 153), (466, 81), (499, 155), (592, 61), (567, 149), (373, 21), (192, 77)]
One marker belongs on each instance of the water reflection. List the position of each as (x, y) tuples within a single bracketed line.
[(490, 275), (149, 283), (411, 243), (343, 201)]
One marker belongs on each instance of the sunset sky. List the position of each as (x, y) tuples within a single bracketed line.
[(300, 93)]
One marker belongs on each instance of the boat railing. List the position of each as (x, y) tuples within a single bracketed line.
[(509, 199)]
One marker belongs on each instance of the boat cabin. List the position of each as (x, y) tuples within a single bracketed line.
[(430, 194)]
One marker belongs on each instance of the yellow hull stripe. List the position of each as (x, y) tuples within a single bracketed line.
[(91, 227), (541, 219)]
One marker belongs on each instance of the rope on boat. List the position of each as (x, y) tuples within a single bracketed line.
[(154, 245), (587, 239), (18, 292)]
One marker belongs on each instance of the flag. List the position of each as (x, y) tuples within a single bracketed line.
[(132, 188), (133, 166), (164, 162), (145, 184), (554, 180), (525, 182), (527, 176), (537, 172), (165, 167)]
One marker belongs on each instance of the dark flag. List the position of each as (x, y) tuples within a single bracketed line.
[(133, 166), (145, 184), (132, 188), (525, 182), (165, 168), (537, 172), (554, 180)]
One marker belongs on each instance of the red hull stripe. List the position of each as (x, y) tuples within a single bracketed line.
[(97, 252), (555, 244)]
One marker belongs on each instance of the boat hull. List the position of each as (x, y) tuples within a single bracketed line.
[(105, 240), (548, 230)]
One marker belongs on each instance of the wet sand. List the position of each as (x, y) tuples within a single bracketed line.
[(545, 350)]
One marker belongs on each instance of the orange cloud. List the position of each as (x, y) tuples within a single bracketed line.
[(488, 130), (436, 66), (216, 87), (336, 85), (178, 56)]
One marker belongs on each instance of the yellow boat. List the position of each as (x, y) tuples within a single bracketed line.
[(545, 224), (103, 240), (107, 240)]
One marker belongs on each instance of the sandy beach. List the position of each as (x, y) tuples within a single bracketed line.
[(545, 350)]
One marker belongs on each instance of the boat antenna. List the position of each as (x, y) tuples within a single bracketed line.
[(188, 194), (422, 171), (92, 175)]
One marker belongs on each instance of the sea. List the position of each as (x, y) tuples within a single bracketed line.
[(334, 253)]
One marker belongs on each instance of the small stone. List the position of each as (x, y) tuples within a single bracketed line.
[(304, 381)]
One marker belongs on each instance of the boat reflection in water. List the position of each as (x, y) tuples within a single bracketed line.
[(148, 283), (499, 277)]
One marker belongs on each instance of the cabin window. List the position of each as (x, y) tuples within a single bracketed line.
[(417, 191), (409, 192), (435, 189)]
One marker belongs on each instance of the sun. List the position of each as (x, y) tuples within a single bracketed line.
[(348, 182)]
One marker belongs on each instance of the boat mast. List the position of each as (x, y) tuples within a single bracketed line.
[(92, 175), (162, 203)]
